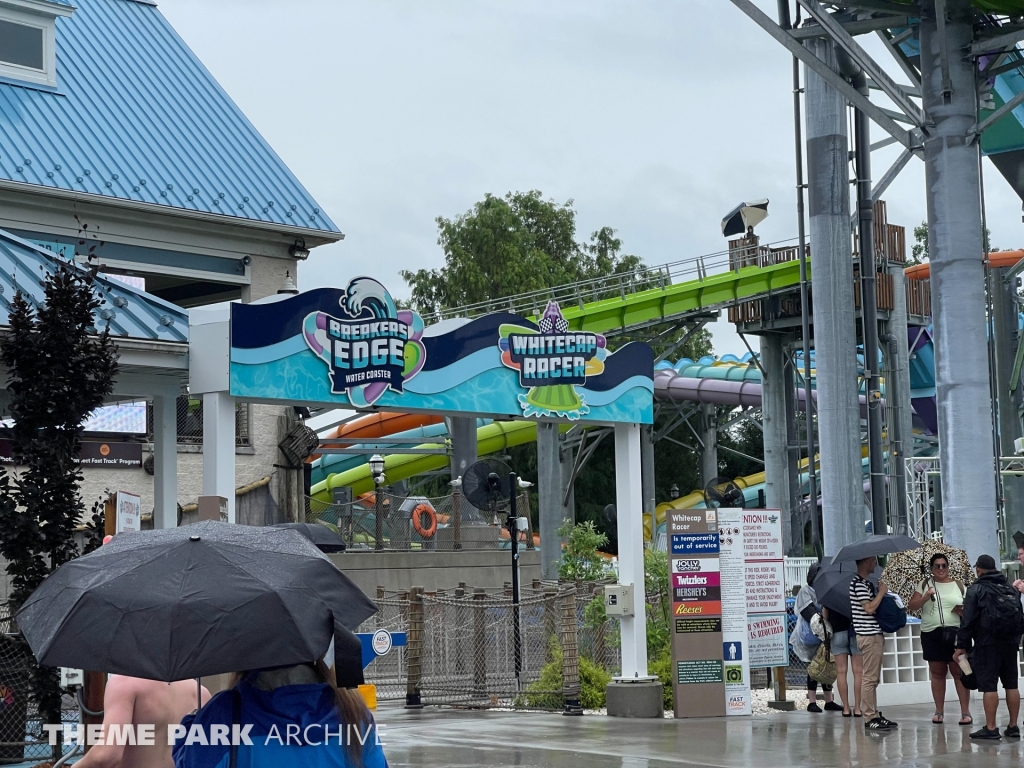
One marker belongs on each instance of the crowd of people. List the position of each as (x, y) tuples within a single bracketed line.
[(968, 633)]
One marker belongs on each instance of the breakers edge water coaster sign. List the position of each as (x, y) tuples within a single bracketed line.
[(355, 348)]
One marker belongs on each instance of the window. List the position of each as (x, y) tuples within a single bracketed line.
[(190, 422), (28, 45), (21, 45)]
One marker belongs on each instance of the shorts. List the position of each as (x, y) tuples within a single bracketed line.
[(934, 648), (993, 664), (845, 642)]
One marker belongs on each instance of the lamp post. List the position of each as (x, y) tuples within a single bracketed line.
[(456, 485), (515, 484), (377, 470)]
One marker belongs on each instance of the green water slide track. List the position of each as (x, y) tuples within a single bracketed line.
[(637, 306)]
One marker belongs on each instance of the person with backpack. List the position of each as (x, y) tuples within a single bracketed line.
[(805, 644), (865, 601), (990, 630), (940, 599)]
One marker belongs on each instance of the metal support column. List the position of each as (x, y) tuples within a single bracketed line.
[(219, 448), (869, 313), (778, 493), (463, 433), (165, 461), (897, 396), (647, 467), (709, 437), (568, 485), (629, 505), (1005, 339), (792, 507), (953, 191), (549, 492), (835, 330)]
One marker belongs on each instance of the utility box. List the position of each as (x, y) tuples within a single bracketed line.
[(618, 600), (70, 677), (213, 508)]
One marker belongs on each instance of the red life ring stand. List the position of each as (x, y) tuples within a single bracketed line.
[(430, 529)]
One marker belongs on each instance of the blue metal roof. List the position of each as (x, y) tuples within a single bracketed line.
[(136, 116), (130, 312)]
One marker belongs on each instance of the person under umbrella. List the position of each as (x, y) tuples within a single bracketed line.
[(904, 571), (183, 603), (940, 599), (744, 217), (806, 607), (334, 727), (865, 599), (832, 585)]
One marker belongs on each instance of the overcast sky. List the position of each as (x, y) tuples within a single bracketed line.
[(655, 116)]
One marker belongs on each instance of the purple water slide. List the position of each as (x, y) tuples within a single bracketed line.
[(669, 385)]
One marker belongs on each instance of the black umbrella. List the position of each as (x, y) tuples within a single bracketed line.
[(744, 215), (832, 586), (323, 538), (203, 599), (874, 545)]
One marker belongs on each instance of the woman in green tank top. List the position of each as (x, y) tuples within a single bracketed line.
[(940, 600)]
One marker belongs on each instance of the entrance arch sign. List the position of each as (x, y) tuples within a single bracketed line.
[(354, 347)]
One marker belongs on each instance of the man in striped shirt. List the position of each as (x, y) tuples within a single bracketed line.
[(864, 601)]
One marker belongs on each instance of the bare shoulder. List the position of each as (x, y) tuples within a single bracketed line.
[(133, 685)]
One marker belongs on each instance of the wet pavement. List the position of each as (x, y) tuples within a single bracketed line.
[(446, 737)]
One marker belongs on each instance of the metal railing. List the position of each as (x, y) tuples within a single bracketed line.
[(420, 523), (618, 286)]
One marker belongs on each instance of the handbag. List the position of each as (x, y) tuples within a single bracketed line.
[(823, 666), (949, 632)]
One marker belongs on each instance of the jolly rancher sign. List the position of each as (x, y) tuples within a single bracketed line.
[(354, 347)]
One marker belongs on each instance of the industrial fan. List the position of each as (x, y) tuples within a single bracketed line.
[(723, 492), (486, 486)]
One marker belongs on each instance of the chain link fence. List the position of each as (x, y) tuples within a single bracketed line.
[(387, 521), (475, 648), (21, 733)]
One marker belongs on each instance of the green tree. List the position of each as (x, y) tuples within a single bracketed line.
[(919, 250), (580, 560), (508, 245), (59, 370), (746, 438)]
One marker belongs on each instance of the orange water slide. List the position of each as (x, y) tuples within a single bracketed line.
[(996, 259), (373, 426)]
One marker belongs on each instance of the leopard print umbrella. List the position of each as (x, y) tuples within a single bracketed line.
[(905, 571)]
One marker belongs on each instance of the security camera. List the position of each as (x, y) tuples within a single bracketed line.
[(246, 261)]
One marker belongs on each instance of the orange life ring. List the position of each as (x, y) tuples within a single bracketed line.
[(417, 522)]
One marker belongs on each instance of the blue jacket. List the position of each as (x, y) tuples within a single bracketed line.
[(309, 707)]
